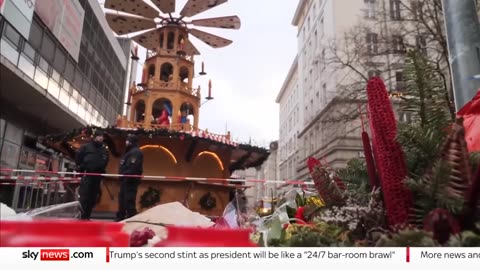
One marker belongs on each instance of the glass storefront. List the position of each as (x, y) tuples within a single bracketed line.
[(83, 99), (15, 155)]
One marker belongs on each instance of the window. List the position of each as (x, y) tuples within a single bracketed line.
[(421, 44), (372, 43), (324, 93), (312, 141), (69, 71), (397, 44), (59, 63), (161, 39), (323, 58), (405, 117), (371, 8), (35, 37), (170, 40), (166, 72), (400, 84), (417, 10), (48, 47), (374, 73), (12, 35), (395, 11), (184, 74), (29, 52)]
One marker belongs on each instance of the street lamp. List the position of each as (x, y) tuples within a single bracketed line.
[(463, 39)]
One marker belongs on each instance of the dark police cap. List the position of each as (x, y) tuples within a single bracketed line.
[(98, 133)]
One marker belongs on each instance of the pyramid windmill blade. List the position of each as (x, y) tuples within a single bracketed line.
[(212, 40), (190, 48), (149, 40), (137, 7), (123, 24), (165, 6), (194, 7), (229, 22)]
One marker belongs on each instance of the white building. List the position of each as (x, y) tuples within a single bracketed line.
[(291, 122), (268, 171), (328, 125), (319, 23)]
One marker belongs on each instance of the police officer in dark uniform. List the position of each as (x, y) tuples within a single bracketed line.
[(131, 164), (91, 158)]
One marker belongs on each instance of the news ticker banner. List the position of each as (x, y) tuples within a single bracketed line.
[(239, 258)]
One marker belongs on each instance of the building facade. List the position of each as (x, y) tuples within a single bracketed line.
[(342, 43), (291, 122), (60, 68), (131, 53), (268, 171)]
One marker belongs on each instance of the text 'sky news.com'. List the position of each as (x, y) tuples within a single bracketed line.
[(50, 254)]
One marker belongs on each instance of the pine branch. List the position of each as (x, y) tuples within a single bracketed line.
[(425, 93)]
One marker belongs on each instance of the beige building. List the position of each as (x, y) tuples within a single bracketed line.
[(268, 171), (341, 43), (291, 122)]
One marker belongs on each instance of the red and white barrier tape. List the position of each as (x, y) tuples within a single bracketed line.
[(157, 177), (40, 180)]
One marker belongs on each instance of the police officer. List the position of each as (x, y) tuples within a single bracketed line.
[(131, 164), (91, 158)]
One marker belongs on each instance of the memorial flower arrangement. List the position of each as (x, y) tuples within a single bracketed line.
[(418, 186)]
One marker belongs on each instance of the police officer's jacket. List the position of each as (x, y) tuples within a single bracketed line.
[(132, 162), (92, 158)]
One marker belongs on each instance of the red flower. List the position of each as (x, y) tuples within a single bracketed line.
[(312, 163), (300, 214), (388, 153)]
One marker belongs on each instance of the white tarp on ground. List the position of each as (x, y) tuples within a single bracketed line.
[(6, 211), (171, 214), (69, 210)]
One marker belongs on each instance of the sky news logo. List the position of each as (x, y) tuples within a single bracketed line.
[(55, 255)]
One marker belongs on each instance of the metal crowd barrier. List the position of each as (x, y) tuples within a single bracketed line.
[(32, 192)]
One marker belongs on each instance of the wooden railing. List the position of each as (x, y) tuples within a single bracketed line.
[(161, 85), (151, 54)]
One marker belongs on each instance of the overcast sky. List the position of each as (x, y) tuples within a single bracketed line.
[(247, 75)]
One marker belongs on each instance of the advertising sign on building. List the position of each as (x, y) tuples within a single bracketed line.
[(65, 19), (19, 14)]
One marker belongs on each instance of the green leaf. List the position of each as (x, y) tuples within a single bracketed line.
[(261, 241), (291, 211), (283, 235), (275, 231), (300, 200)]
